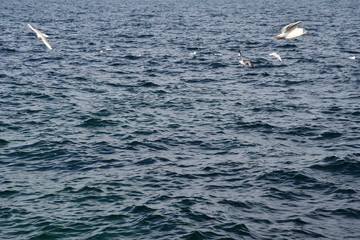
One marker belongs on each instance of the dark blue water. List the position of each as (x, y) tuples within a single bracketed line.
[(146, 141)]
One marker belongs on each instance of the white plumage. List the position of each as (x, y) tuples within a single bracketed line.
[(291, 31), (41, 35), (242, 62), (276, 55)]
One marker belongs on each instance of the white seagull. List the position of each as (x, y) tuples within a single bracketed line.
[(41, 35), (276, 55), (242, 62), (291, 31), (352, 58)]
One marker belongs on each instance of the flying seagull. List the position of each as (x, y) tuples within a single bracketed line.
[(291, 31), (276, 55), (41, 35), (352, 57), (242, 62)]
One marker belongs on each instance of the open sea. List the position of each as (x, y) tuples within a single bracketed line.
[(120, 133)]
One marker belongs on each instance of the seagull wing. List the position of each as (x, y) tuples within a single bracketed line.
[(43, 38), (41, 35), (250, 63), (35, 30), (276, 55), (290, 27), (242, 58)]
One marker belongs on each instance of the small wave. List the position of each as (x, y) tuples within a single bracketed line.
[(239, 229), (103, 113), (345, 191), (308, 233), (2, 75), (328, 135), (237, 204), (347, 212), (199, 235), (297, 221), (283, 176), (148, 84), (145, 36), (134, 145), (7, 193), (349, 165), (96, 122), (344, 212), (81, 78), (332, 110), (196, 215), (46, 235), (37, 95), (286, 194), (267, 109), (218, 65), (3, 142), (116, 64), (356, 113), (256, 125), (291, 46), (199, 80), (142, 209), (114, 217), (87, 190), (146, 161), (132, 57), (301, 131), (7, 50), (251, 42)]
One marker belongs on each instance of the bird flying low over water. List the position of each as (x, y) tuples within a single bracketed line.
[(291, 31), (276, 55), (352, 57), (41, 35), (242, 62)]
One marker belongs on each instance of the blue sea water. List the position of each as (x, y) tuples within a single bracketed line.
[(145, 141)]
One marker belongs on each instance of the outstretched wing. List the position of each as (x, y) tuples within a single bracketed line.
[(41, 35), (34, 29), (276, 55), (46, 42), (250, 63), (290, 27)]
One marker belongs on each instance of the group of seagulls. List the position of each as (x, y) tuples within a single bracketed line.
[(288, 32)]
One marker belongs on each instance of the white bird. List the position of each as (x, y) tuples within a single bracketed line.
[(192, 53), (276, 55), (352, 57), (242, 62), (41, 35), (107, 49), (291, 31)]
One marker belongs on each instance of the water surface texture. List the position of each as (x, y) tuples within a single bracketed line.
[(120, 133)]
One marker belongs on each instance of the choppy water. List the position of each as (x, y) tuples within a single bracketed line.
[(149, 142)]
